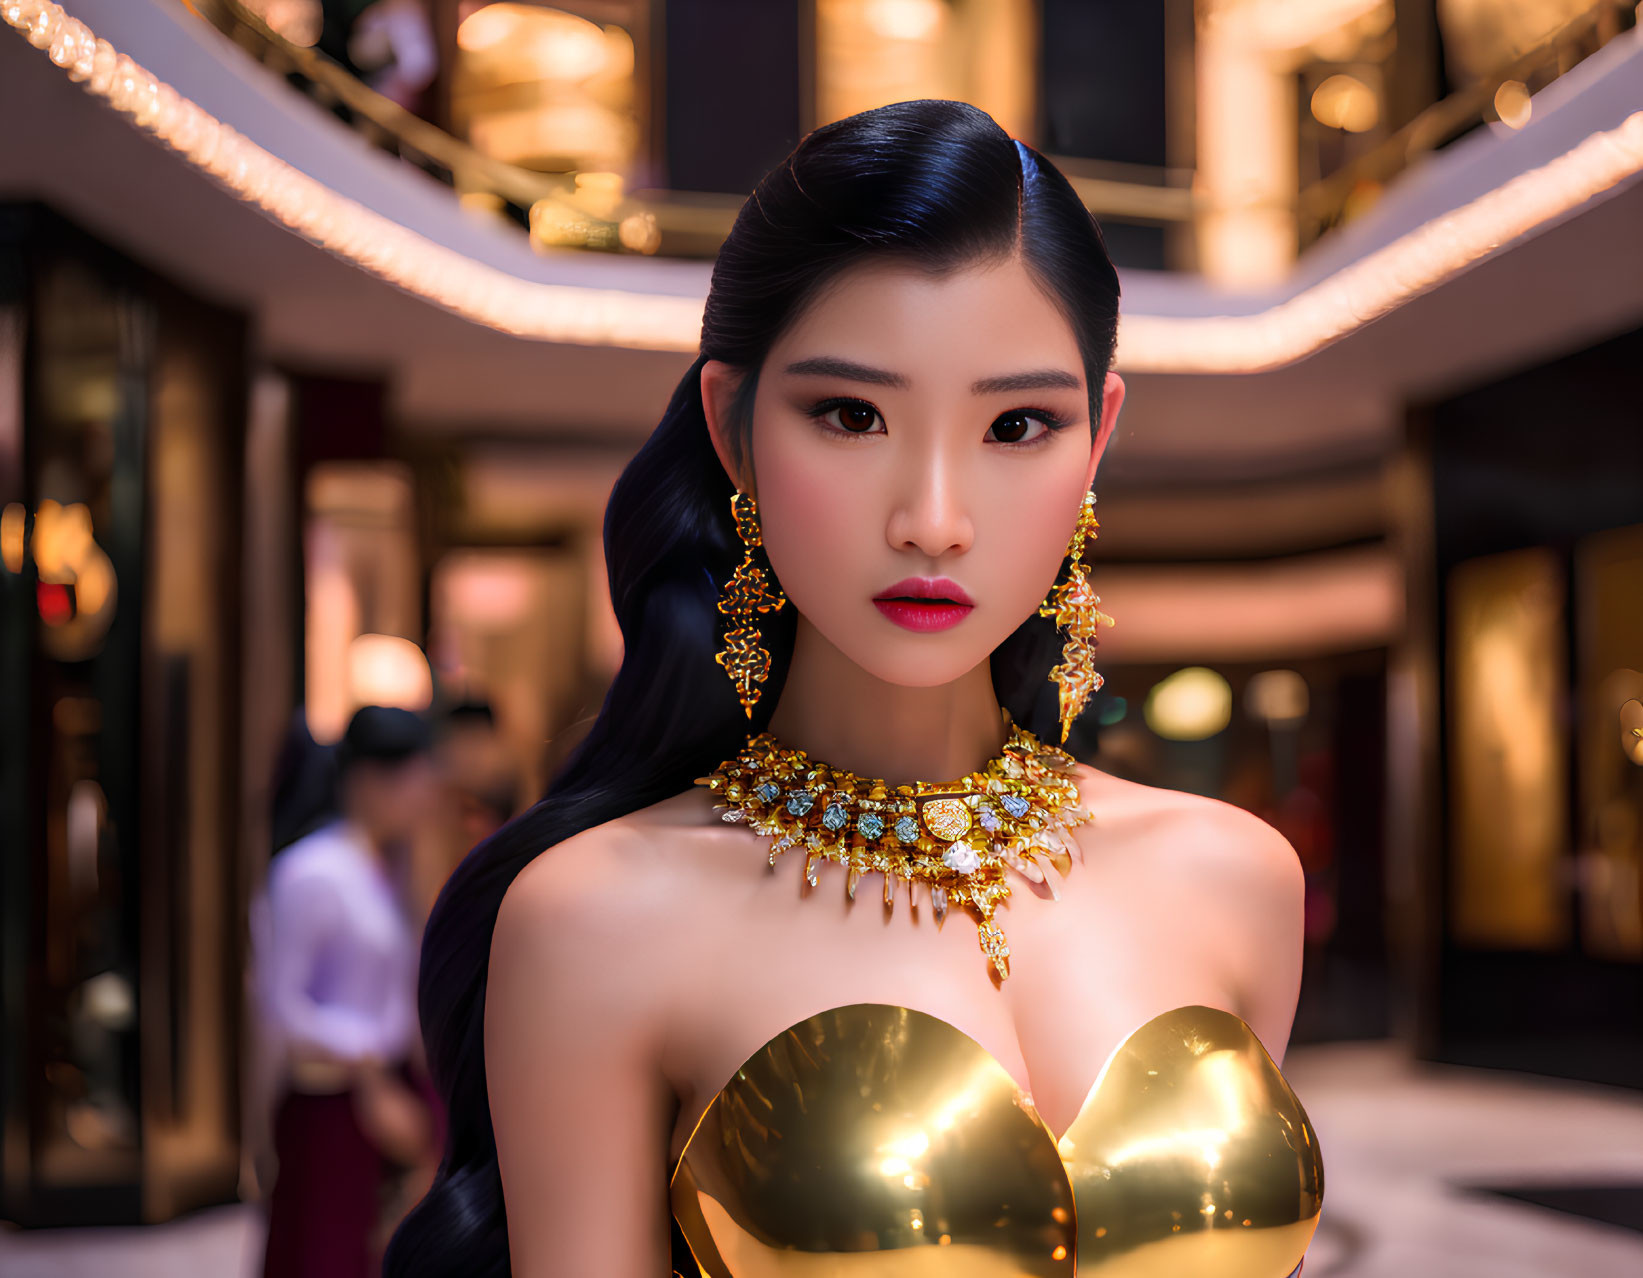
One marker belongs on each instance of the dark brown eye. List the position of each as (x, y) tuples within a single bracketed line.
[(856, 418), (1013, 428)]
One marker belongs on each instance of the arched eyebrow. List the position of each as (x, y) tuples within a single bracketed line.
[(850, 370), (1036, 379)]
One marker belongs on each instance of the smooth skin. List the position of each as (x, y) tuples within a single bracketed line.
[(637, 965)]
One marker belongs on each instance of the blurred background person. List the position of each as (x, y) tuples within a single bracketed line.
[(479, 769), (336, 954), (305, 786)]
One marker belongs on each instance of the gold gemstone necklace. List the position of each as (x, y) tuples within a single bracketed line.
[(958, 838)]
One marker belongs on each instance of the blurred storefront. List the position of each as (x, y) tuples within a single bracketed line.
[(1536, 632), (122, 400)]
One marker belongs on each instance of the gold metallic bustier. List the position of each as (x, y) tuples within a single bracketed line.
[(874, 1140)]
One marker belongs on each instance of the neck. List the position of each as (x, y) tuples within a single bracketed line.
[(837, 712)]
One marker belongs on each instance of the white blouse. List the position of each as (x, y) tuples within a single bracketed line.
[(335, 956)]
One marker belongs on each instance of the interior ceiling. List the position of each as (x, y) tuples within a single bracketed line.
[(1572, 284)]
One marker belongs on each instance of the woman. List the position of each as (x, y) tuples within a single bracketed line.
[(336, 975), (905, 366)]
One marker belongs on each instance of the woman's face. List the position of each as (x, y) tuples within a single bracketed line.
[(920, 436)]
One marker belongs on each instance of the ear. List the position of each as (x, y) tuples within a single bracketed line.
[(1112, 399), (720, 382)]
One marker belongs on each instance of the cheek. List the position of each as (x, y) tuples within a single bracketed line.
[(816, 526), (1024, 526)]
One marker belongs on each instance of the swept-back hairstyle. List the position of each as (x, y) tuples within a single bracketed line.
[(932, 183)]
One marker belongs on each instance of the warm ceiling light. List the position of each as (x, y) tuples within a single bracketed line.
[(600, 193), (568, 48), (556, 45), (1345, 102), (1190, 705), (385, 670), (639, 233), (904, 19), (1277, 697), (485, 28), (1512, 104), (488, 593)]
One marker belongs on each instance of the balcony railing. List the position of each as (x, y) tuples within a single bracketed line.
[(590, 211), (1333, 200)]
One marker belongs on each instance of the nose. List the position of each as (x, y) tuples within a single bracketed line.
[(930, 514)]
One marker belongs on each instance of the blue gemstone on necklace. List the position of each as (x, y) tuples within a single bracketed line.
[(834, 817), (799, 801), (871, 825), (1015, 805), (907, 830), (769, 792)]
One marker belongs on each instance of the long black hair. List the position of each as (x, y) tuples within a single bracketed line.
[(934, 183)]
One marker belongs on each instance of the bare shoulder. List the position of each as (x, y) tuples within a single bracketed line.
[(580, 903), (598, 865), (576, 1018), (1219, 846)]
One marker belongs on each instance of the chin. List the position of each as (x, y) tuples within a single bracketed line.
[(920, 661), (917, 674)]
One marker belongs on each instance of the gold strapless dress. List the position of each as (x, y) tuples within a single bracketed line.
[(873, 1140)]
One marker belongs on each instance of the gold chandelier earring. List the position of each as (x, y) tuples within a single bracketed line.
[(747, 593), (1077, 609)]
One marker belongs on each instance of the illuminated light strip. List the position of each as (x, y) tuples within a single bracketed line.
[(1385, 279), (524, 308), (1413, 264)]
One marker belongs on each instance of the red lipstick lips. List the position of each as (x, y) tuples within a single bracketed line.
[(925, 604)]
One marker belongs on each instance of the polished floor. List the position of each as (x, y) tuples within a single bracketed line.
[(1411, 1151), (1412, 1156)]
